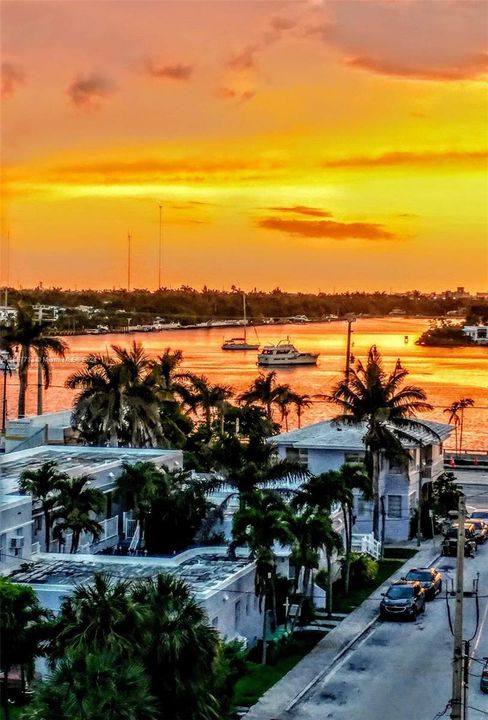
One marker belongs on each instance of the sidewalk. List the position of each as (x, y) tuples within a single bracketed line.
[(278, 699)]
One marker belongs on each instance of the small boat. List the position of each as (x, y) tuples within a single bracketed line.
[(285, 353), (241, 343)]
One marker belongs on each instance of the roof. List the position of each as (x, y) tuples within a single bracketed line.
[(331, 435), (74, 460), (204, 570)]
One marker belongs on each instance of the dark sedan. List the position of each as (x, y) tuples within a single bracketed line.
[(403, 600), (429, 578)]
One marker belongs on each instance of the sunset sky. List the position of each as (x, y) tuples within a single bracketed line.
[(334, 144)]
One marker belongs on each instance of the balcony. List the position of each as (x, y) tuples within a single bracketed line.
[(433, 469)]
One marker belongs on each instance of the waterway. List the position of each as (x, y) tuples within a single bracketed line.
[(446, 374)]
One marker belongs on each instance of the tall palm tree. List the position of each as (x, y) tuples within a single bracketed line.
[(115, 404), (264, 391), (301, 402), (456, 413), (379, 401), (168, 384), (180, 649), (76, 504), (44, 484), (319, 493), (28, 335), (139, 484), (101, 614), (284, 399), (454, 419), (258, 525), (351, 476), (95, 684), (201, 395)]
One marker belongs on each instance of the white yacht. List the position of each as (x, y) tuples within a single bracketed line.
[(241, 343), (285, 353)]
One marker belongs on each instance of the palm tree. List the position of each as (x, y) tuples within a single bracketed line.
[(284, 398), (301, 402), (319, 494), (76, 504), (115, 403), (44, 484), (379, 401), (456, 411), (351, 476), (201, 395), (263, 391), (180, 649), (258, 525), (167, 383), (139, 483), (24, 627), (95, 684), (27, 334), (100, 615)]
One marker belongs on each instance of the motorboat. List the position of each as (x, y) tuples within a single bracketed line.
[(241, 343), (285, 353)]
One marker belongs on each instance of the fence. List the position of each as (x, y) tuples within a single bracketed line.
[(367, 544)]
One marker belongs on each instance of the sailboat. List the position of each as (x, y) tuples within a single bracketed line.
[(241, 343)]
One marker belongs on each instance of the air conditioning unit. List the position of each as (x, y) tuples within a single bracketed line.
[(17, 542)]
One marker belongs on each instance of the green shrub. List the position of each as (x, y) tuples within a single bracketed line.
[(363, 570)]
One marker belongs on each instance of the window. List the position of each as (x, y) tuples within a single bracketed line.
[(394, 506), (365, 507), (237, 614), (248, 604), (215, 622), (38, 524), (353, 457), (412, 501), (299, 455)]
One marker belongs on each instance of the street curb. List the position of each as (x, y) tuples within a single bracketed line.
[(341, 654), (329, 667)]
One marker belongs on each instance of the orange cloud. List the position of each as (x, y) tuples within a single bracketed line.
[(473, 68), (302, 210), (178, 71), (88, 91), (229, 93), (12, 77), (326, 229), (397, 158)]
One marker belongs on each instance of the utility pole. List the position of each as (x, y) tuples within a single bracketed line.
[(160, 243), (40, 358), (458, 649), (349, 319), (419, 504), (129, 238)]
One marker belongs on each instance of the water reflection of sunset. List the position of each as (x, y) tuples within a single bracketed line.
[(445, 374)]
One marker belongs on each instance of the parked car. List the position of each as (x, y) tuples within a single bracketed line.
[(484, 677), (480, 530), (449, 544), (429, 578), (481, 513), (403, 600)]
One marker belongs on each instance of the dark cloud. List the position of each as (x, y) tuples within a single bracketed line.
[(247, 58), (89, 91), (12, 77), (329, 229), (392, 159), (302, 210), (282, 24), (176, 71)]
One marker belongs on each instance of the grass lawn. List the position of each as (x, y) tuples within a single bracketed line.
[(259, 678), (13, 714), (356, 597)]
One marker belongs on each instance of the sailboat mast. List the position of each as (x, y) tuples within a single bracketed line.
[(244, 312)]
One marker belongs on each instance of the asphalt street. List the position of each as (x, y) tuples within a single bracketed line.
[(402, 670)]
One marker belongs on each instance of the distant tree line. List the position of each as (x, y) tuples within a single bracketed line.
[(187, 305)]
